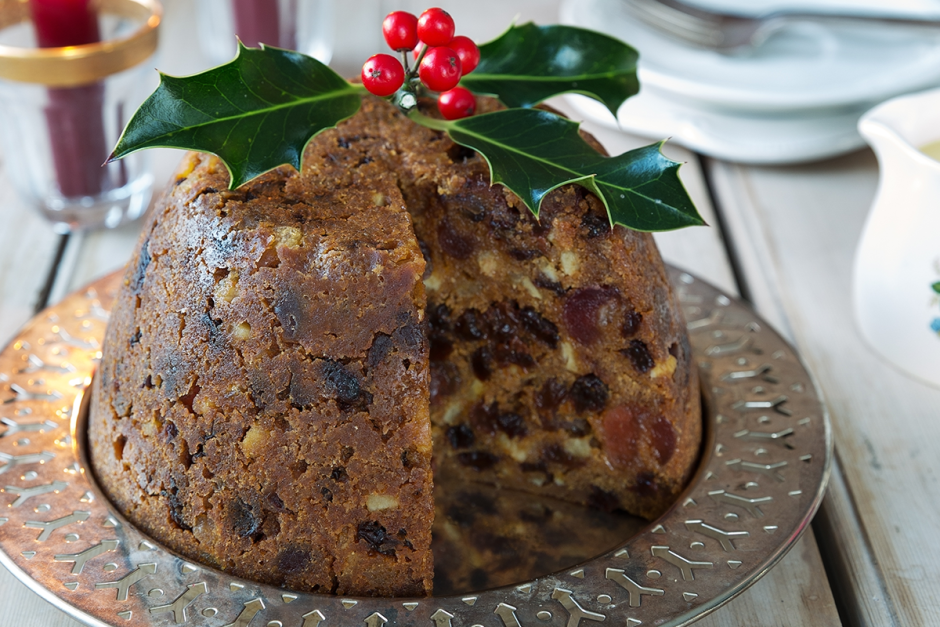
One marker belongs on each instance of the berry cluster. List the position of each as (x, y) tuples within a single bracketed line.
[(440, 60)]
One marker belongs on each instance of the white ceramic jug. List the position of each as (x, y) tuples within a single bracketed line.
[(897, 263)]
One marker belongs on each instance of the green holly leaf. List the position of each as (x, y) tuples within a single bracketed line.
[(936, 287), (530, 63), (533, 152), (256, 112)]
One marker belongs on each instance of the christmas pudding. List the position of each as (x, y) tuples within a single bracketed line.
[(285, 359)]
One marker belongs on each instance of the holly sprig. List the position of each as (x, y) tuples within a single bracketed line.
[(260, 110)]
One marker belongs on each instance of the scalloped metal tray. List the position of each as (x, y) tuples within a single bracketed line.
[(763, 471)]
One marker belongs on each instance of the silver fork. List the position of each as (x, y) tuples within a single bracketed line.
[(725, 32)]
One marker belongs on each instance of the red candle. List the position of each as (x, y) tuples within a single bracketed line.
[(258, 22), (64, 23), (74, 114)]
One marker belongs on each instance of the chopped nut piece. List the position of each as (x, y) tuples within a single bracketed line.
[(227, 288), (664, 369), (432, 283), (289, 236), (530, 287), (548, 270), (452, 413), (570, 263), (376, 502), (578, 447), (488, 262), (571, 361), (512, 446), (253, 441)]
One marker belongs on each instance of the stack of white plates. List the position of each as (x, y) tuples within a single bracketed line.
[(795, 98)]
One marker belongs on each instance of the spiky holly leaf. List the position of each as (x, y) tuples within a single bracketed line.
[(256, 112), (532, 152), (530, 63)]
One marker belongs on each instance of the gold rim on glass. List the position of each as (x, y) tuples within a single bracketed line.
[(70, 66)]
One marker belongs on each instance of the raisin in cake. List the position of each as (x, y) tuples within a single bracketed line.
[(263, 402)]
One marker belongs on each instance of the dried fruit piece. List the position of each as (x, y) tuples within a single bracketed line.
[(512, 424), (639, 355), (631, 322), (454, 243), (482, 363), (460, 436), (551, 395), (378, 539), (544, 330), (663, 435), (471, 326), (621, 434), (587, 312), (513, 352), (445, 380), (589, 393), (478, 460)]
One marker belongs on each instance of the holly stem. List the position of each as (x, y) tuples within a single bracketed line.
[(358, 88), (413, 73), (404, 61), (429, 122)]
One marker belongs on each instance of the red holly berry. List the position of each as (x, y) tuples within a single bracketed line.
[(400, 29), (436, 27), (467, 51), (457, 103), (440, 69), (382, 74)]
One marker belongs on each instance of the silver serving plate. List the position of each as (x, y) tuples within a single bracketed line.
[(764, 467)]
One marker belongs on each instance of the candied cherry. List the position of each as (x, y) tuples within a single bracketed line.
[(436, 27), (400, 29), (382, 74), (440, 69), (467, 51), (456, 103), (587, 311)]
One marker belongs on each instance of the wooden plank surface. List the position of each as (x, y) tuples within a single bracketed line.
[(796, 228), (27, 250)]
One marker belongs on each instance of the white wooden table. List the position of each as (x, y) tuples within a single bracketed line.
[(781, 237)]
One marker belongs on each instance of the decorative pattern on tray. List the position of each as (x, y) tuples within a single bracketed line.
[(763, 471)]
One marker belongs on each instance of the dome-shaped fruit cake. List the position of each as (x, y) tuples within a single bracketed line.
[(281, 356)]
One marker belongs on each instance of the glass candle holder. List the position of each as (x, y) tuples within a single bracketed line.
[(302, 25), (62, 109)]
